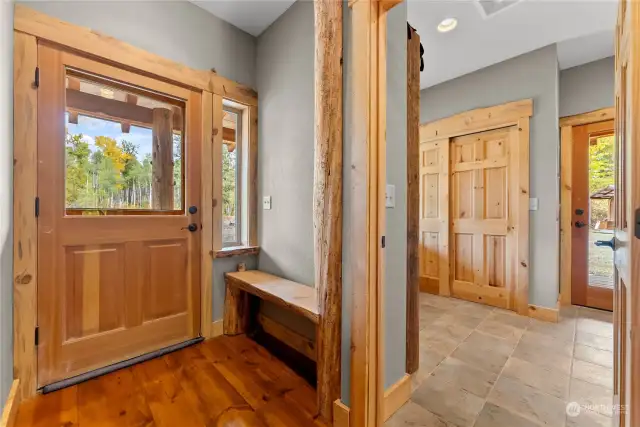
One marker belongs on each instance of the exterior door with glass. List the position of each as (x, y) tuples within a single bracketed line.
[(118, 221)]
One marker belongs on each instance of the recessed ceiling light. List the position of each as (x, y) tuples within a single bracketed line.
[(447, 25)]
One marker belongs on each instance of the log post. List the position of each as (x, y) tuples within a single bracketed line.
[(413, 201), (236, 311), (327, 199), (162, 158)]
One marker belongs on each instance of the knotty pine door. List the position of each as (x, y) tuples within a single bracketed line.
[(118, 246), (469, 216)]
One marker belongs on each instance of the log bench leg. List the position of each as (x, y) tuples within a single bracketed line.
[(236, 312)]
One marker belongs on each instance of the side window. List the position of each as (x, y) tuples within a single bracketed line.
[(232, 178)]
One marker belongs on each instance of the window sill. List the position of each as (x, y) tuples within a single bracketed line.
[(235, 251)]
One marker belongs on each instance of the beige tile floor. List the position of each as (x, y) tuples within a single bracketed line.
[(486, 367)]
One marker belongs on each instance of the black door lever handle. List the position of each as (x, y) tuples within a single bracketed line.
[(610, 243), (580, 224)]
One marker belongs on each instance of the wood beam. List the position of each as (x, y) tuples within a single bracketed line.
[(125, 126), (327, 199), (413, 201), (162, 158)]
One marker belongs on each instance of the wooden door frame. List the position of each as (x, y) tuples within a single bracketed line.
[(515, 113), (31, 26), (566, 155), (365, 200)]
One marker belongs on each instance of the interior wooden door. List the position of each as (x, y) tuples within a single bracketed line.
[(591, 284), (483, 241), (118, 244), (627, 226), (434, 217)]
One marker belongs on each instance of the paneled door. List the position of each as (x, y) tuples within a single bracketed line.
[(118, 214), (483, 239), (434, 217), (626, 241)]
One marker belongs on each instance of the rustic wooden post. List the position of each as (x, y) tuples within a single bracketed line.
[(327, 199), (236, 311), (413, 201), (162, 157)]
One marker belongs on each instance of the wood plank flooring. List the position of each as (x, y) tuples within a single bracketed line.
[(223, 382)]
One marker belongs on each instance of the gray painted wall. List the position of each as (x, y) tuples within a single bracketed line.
[(6, 198), (587, 87), (395, 280), (533, 75), (176, 30), (285, 149), (396, 225)]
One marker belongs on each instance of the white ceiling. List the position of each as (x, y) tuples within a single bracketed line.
[(252, 16), (526, 25), (488, 32)]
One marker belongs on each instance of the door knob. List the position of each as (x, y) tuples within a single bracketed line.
[(610, 243), (191, 227), (580, 224)]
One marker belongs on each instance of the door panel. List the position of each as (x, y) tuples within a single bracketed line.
[(627, 196), (434, 217), (118, 163), (480, 210), (592, 290)]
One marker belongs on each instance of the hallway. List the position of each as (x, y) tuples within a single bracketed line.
[(487, 367)]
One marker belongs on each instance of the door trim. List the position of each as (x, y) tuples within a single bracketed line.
[(29, 27), (517, 114), (566, 154)]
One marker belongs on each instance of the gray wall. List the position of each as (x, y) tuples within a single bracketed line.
[(6, 190), (533, 75), (285, 150), (587, 87), (395, 280), (220, 267), (396, 225), (176, 30)]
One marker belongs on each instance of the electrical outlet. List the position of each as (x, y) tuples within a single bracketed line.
[(266, 203), (390, 196)]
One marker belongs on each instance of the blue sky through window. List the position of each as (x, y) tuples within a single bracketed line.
[(91, 127)]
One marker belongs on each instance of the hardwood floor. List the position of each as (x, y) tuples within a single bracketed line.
[(223, 382)]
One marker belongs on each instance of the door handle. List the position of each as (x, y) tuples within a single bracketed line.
[(610, 243), (191, 227), (580, 224)]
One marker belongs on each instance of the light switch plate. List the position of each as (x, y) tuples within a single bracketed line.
[(266, 203), (533, 204), (390, 196)]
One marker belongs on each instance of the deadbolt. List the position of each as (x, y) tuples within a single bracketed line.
[(579, 211), (193, 209)]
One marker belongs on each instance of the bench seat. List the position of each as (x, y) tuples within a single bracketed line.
[(299, 298)]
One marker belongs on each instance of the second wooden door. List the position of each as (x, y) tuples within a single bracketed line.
[(482, 237)]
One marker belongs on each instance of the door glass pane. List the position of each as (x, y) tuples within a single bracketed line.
[(230, 180), (123, 149), (601, 218)]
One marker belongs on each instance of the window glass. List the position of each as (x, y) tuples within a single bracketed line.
[(230, 180), (123, 149)]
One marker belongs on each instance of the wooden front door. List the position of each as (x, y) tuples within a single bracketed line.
[(483, 239), (592, 220), (627, 224), (118, 244)]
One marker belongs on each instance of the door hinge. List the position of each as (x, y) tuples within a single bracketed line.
[(36, 82), (384, 241), (37, 335), (37, 207)]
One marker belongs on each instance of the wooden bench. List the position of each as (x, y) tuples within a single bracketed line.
[(240, 312)]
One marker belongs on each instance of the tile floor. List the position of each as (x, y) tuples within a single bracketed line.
[(486, 367)]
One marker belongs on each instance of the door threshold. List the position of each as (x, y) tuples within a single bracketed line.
[(120, 365)]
